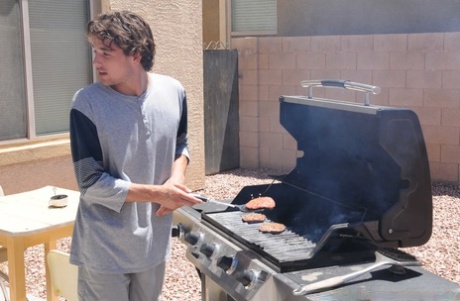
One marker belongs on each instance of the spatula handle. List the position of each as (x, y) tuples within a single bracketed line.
[(211, 200), (320, 285)]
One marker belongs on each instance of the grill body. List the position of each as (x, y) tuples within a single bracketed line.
[(249, 276), (361, 183)]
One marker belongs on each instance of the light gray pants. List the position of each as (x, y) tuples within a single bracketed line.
[(144, 286)]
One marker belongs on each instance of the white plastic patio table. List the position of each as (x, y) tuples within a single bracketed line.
[(26, 219)]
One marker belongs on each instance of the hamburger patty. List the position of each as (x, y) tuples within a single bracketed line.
[(272, 228), (263, 202), (253, 218)]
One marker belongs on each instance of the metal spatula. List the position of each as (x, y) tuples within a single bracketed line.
[(206, 199)]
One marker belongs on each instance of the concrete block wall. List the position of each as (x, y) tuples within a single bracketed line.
[(417, 71)]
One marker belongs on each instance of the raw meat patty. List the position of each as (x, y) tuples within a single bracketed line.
[(263, 202), (253, 218), (272, 228)]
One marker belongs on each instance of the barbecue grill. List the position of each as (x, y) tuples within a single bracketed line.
[(359, 191)]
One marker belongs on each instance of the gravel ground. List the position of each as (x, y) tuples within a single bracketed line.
[(441, 255)]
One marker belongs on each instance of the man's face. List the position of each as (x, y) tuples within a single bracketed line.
[(113, 67)]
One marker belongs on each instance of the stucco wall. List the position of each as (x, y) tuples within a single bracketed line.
[(177, 28), (417, 71)]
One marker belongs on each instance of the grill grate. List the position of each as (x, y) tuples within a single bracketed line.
[(283, 247)]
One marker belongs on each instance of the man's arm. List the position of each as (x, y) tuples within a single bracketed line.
[(178, 170)]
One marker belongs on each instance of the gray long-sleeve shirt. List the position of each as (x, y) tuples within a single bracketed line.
[(117, 140)]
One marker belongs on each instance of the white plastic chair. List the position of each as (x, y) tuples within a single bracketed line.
[(64, 275)]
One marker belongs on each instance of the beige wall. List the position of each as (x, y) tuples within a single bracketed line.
[(177, 27), (417, 71)]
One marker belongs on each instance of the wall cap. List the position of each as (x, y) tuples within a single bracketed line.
[(34, 151)]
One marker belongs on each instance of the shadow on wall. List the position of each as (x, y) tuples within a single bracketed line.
[(358, 17)]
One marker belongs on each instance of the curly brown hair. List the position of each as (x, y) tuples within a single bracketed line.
[(128, 31)]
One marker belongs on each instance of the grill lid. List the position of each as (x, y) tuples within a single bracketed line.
[(370, 158)]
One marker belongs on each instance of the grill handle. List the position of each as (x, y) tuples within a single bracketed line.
[(345, 84)]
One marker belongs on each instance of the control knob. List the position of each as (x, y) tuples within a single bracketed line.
[(192, 238), (208, 249), (246, 277), (227, 263)]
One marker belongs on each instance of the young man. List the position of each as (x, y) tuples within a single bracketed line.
[(129, 147)]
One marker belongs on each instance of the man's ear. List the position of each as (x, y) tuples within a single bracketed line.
[(137, 57)]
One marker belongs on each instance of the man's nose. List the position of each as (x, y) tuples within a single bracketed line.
[(96, 61)]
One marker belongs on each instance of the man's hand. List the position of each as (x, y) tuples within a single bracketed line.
[(176, 196), (168, 195), (162, 211)]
